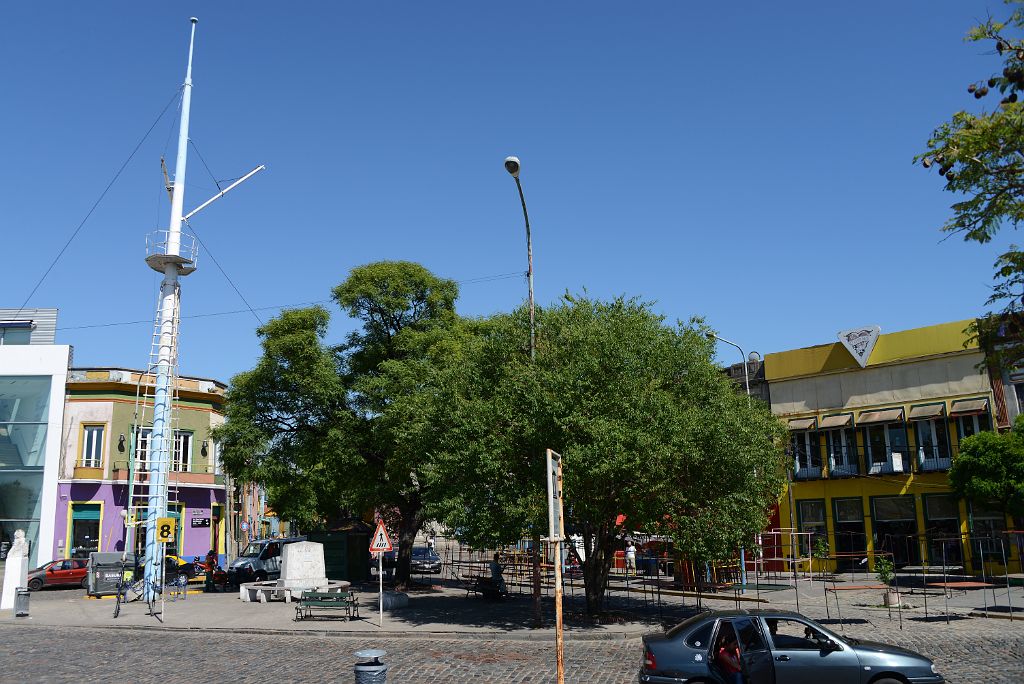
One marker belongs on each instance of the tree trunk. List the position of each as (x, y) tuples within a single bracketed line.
[(538, 617), (598, 544), (408, 526)]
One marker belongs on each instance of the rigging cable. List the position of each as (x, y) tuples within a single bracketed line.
[(481, 279), (223, 272), (97, 202)]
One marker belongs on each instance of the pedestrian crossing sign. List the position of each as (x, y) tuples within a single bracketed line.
[(381, 541)]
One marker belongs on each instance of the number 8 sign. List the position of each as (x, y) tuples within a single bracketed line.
[(165, 529)]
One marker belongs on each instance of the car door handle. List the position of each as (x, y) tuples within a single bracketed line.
[(782, 658)]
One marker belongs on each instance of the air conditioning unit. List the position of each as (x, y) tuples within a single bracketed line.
[(897, 463)]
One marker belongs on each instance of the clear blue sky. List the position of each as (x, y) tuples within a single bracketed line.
[(749, 163)]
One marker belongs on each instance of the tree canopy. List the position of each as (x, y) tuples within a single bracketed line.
[(989, 469), (980, 157)]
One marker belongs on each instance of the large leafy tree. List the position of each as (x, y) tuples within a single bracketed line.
[(648, 427), (351, 428), (288, 423), (989, 469), (980, 156)]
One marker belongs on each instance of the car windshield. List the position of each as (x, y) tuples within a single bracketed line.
[(423, 553), (251, 551)]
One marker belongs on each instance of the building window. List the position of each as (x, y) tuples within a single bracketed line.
[(932, 444), (806, 454), (182, 458), (92, 446), (895, 528), (972, 424), (144, 437), (886, 448), (942, 530), (987, 532), (811, 518), (841, 447), (85, 529), (851, 542), (215, 458)]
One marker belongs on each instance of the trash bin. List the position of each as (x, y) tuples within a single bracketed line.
[(649, 565), (21, 602), (105, 571), (372, 671)]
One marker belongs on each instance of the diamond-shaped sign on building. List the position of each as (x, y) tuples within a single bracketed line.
[(860, 342)]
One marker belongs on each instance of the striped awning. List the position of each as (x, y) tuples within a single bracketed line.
[(886, 416), (842, 420), (802, 424), (966, 406), (927, 412)]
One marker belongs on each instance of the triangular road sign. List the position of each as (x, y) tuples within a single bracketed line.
[(860, 342), (381, 541)]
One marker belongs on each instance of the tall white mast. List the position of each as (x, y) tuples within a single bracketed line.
[(173, 264)]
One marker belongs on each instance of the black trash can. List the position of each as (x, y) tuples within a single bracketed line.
[(21, 595), (106, 571), (372, 671)]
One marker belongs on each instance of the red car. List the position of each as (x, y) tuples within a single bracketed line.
[(69, 571)]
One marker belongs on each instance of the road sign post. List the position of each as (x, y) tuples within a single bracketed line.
[(380, 545), (556, 531)]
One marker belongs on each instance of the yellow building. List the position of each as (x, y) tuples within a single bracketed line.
[(874, 424)]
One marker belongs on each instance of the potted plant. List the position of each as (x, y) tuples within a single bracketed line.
[(886, 571), (821, 553)]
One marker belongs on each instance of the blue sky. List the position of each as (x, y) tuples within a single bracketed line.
[(747, 162)]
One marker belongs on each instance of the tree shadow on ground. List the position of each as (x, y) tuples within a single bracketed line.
[(515, 612), (939, 618)]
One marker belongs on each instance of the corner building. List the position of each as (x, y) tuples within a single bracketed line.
[(92, 491), (872, 447)]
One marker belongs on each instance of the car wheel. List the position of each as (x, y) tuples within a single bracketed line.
[(85, 582), (183, 578), (35, 584), (887, 680)]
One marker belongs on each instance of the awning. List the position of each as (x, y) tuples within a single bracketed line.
[(886, 416), (802, 424), (927, 412), (839, 421), (965, 406)]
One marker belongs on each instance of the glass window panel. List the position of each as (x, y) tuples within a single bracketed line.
[(894, 508), (22, 446), (812, 512), (24, 399), (92, 446), (940, 507), (849, 510), (31, 529), (20, 495)]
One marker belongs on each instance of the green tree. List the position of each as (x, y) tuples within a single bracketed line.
[(989, 469), (980, 156), (334, 430), (288, 425), (648, 427)]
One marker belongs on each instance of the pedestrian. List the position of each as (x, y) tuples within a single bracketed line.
[(728, 658), (211, 569), (497, 579), (631, 558)]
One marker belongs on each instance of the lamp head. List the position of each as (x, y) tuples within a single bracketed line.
[(512, 165)]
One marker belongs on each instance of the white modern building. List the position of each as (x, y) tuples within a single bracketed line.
[(33, 373)]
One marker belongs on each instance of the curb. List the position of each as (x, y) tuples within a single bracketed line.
[(623, 635)]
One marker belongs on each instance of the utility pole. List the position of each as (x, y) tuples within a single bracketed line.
[(556, 532)]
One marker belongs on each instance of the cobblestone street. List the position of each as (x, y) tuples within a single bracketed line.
[(974, 651)]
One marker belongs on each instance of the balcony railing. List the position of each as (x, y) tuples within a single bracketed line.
[(930, 459), (892, 461)]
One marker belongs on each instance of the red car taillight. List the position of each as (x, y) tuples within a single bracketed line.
[(649, 662)]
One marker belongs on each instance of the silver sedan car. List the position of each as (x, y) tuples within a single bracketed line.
[(769, 647)]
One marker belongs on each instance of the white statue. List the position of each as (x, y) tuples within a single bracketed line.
[(16, 570)]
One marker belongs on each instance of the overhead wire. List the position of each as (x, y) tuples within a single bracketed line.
[(98, 200), (224, 273), (481, 279)]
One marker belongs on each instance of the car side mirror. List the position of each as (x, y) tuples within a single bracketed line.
[(829, 645)]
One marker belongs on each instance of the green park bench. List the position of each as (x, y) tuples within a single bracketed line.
[(311, 601)]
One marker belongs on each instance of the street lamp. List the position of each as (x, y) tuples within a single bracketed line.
[(512, 165), (746, 376)]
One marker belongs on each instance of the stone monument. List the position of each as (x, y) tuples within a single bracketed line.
[(16, 570), (302, 567)]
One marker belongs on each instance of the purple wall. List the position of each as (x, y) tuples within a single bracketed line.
[(196, 502)]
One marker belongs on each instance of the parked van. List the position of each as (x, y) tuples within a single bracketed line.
[(261, 560)]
